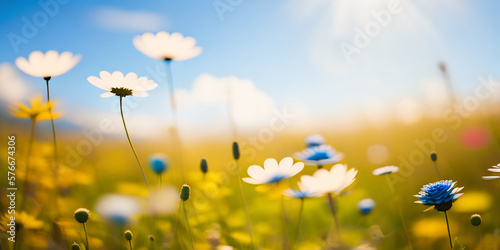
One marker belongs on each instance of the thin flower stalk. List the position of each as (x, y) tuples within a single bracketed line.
[(131, 145), (249, 226)]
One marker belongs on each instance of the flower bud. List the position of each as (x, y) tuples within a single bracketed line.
[(475, 220), (158, 162), (128, 235), (75, 246), (204, 166), (82, 215), (185, 190), (236, 151), (434, 156), (151, 238)]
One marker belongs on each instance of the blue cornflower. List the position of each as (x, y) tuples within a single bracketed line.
[(299, 194), (302, 192), (158, 162), (365, 206), (319, 155), (440, 194), (314, 140)]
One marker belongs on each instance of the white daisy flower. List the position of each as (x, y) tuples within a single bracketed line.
[(117, 208), (333, 181), (385, 170), (493, 169), (301, 193), (165, 46), (314, 140), (47, 65), (119, 85), (319, 155), (272, 171)]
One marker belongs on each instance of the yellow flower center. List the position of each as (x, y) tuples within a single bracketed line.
[(121, 92)]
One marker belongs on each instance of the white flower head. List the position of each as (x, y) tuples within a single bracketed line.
[(385, 170), (302, 193), (117, 208), (50, 64), (314, 140), (119, 85), (165, 46), (494, 169), (324, 181), (272, 171), (319, 155)]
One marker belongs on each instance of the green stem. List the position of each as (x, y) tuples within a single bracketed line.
[(130, 245), (87, 247), (171, 88), (407, 235), (131, 145), (30, 148), (244, 204), (52, 121), (437, 170), (334, 213), (285, 231), (187, 223), (448, 226), (297, 230), (56, 165), (480, 238), (161, 182), (173, 106), (175, 225)]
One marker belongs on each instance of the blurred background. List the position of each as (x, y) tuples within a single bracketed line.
[(385, 82)]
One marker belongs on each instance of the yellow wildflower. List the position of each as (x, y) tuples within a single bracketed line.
[(38, 110), (26, 220)]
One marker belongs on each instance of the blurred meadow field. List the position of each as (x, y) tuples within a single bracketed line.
[(178, 153)]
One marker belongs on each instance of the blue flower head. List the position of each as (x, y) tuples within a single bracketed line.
[(119, 219), (319, 155), (314, 140), (299, 194), (159, 163), (365, 206), (440, 194)]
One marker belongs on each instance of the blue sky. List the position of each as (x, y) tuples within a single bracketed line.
[(290, 50)]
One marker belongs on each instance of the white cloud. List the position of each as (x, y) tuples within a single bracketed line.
[(14, 87), (210, 96), (338, 21), (127, 21)]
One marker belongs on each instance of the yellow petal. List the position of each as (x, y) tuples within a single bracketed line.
[(46, 116), (429, 209), (36, 103)]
